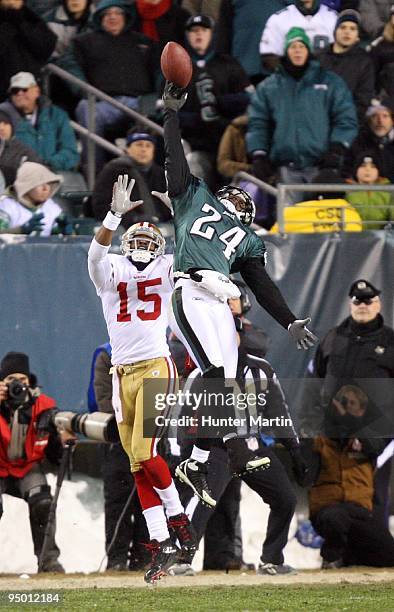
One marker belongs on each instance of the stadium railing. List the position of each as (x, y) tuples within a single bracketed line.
[(281, 191)]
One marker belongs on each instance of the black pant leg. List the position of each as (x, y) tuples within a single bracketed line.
[(381, 498), (218, 478), (118, 484), (333, 524), (220, 533), (274, 487), (369, 543)]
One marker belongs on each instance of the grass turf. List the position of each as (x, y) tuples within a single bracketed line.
[(334, 598)]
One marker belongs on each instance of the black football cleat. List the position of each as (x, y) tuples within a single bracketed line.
[(194, 474), (184, 532), (242, 460), (163, 556)]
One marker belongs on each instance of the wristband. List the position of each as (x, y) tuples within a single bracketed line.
[(111, 221)]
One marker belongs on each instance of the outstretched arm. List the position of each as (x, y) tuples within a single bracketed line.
[(98, 264), (177, 169), (270, 298)]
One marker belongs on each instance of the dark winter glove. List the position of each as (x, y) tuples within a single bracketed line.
[(262, 168), (334, 157), (300, 468), (62, 225), (34, 224), (301, 334), (173, 97)]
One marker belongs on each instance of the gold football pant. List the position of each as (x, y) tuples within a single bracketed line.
[(135, 403)]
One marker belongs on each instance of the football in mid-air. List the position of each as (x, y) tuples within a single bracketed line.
[(176, 64)]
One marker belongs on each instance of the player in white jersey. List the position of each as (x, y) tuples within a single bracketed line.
[(135, 289), (317, 20)]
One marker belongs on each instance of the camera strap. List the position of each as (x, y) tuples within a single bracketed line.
[(16, 448)]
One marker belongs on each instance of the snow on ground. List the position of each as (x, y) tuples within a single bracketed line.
[(80, 530)]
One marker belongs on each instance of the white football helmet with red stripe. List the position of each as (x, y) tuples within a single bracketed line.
[(142, 242)]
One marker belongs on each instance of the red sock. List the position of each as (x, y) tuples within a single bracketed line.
[(158, 472), (146, 493)]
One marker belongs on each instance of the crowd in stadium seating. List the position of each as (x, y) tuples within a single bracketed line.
[(301, 124)]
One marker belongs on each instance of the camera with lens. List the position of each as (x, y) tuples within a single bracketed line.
[(344, 401), (98, 426), (18, 393)]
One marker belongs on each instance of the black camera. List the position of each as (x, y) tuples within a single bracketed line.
[(18, 393), (344, 401)]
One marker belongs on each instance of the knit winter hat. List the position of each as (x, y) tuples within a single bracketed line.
[(14, 363), (31, 175), (348, 15), (297, 35), (365, 157)]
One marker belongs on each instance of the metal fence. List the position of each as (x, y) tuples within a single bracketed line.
[(92, 94), (281, 191)]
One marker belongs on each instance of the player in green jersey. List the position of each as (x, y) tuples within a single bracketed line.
[(213, 239)]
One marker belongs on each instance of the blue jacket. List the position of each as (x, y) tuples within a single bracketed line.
[(52, 138), (295, 121)]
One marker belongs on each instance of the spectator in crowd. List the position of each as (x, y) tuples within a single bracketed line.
[(239, 31), (41, 7), (68, 20), (232, 158), (382, 53), (203, 7), (301, 119), (26, 42), (318, 21), (138, 163), (340, 501), (350, 61), (12, 151), (376, 138), (374, 15), (26, 436), (116, 59), (161, 20), (29, 207), (131, 531), (376, 208), (40, 124), (360, 348), (218, 92)]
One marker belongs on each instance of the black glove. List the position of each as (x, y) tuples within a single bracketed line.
[(173, 97), (34, 224), (334, 157), (62, 225), (262, 168), (300, 468)]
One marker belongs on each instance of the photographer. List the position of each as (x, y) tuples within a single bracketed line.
[(27, 434), (340, 501)]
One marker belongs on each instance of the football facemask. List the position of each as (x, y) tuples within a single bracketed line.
[(239, 202), (142, 242)]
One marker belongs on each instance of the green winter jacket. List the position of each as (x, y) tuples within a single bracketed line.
[(295, 121), (376, 207)]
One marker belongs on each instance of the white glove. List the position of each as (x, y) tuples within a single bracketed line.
[(121, 196), (303, 336), (164, 198), (217, 284)]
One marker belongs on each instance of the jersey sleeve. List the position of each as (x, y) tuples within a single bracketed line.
[(177, 170), (271, 38), (99, 265), (266, 292)]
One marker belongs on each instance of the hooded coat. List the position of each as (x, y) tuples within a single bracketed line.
[(66, 27), (123, 65), (295, 121), (17, 209)]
